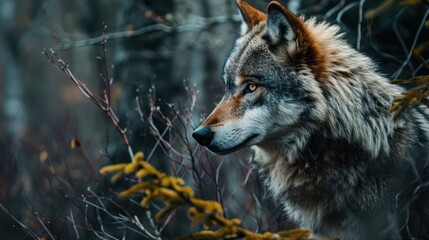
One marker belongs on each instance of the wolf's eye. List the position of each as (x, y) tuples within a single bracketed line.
[(251, 87)]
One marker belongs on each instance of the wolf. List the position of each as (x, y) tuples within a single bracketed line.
[(315, 113)]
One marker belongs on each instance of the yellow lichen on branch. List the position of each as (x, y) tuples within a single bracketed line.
[(175, 194)]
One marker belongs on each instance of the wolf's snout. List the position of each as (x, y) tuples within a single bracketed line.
[(203, 135)]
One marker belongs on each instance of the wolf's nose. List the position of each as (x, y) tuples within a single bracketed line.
[(203, 135)]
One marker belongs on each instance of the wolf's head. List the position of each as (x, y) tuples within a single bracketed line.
[(286, 78), (271, 79)]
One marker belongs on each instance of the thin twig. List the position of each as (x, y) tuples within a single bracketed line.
[(74, 224), (359, 30), (22, 225), (410, 54), (158, 27)]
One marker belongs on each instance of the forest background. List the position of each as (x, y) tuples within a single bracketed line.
[(165, 59)]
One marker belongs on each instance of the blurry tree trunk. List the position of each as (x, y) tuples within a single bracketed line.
[(141, 62), (205, 51), (12, 89)]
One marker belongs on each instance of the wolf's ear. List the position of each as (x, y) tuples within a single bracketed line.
[(250, 15), (288, 36), (282, 26)]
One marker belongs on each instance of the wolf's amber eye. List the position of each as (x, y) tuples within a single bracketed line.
[(252, 87)]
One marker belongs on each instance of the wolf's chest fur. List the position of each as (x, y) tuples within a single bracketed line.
[(332, 186)]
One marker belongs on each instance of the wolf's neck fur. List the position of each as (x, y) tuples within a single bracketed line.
[(287, 163), (353, 110), (356, 99)]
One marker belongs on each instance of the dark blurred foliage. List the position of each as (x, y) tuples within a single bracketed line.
[(50, 189)]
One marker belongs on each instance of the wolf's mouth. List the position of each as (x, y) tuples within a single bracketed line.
[(232, 149)]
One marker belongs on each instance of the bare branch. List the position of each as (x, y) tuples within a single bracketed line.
[(101, 102), (158, 27), (410, 54)]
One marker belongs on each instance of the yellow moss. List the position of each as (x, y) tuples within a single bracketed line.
[(150, 169), (167, 194), (138, 157), (141, 173), (139, 187), (187, 191), (205, 234), (112, 168), (173, 182), (235, 221), (146, 200), (176, 194), (164, 212), (296, 233), (199, 217), (132, 167), (209, 206), (192, 212), (117, 177)]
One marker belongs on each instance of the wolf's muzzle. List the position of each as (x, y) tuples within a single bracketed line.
[(203, 135)]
